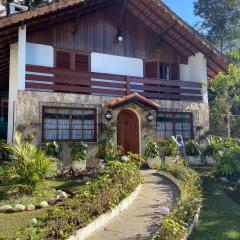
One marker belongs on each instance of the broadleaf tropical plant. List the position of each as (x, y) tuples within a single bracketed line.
[(27, 168)]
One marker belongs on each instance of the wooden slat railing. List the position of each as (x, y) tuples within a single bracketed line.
[(57, 80)]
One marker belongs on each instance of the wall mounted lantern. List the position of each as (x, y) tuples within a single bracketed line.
[(119, 36), (108, 115), (150, 117)]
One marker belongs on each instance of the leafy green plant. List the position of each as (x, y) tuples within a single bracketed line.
[(116, 181), (228, 162), (171, 229), (52, 149), (136, 158), (28, 167), (192, 148), (108, 151), (79, 151), (4, 152), (167, 147), (151, 150), (183, 212)]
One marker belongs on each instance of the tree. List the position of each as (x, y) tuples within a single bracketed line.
[(224, 94), (221, 22), (234, 56)]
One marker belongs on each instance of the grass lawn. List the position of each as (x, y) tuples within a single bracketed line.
[(11, 223), (220, 216)]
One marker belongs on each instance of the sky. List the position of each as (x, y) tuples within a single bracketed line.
[(184, 9)]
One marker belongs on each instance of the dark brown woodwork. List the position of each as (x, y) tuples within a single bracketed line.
[(85, 82), (128, 131)]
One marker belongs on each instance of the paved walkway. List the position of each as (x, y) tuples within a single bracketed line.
[(140, 221)]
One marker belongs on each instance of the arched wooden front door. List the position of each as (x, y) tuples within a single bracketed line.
[(128, 131)]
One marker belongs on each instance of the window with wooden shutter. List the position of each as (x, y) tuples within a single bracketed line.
[(82, 62), (63, 59), (151, 69)]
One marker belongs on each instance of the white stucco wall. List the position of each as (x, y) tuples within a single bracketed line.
[(104, 63), (16, 77), (196, 71), (38, 54), (13, 79)]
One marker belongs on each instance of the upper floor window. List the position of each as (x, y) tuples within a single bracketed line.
[(172, 124), (165, 71), (72, 60), (69, 124)]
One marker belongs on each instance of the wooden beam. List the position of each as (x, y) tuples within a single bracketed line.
[(122, 4), (166, 29)]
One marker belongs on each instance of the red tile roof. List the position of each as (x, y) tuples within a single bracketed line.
[(134, 98)]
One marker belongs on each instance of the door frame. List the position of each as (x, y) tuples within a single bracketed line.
[(139, 127)]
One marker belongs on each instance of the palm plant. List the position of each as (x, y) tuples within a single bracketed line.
[(27, 168)]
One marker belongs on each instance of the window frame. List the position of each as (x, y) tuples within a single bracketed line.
[(174, 123), (44, 140)]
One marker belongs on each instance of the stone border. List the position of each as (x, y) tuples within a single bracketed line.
[(193, 225), (8, 209), (104, 219), (197, 215)]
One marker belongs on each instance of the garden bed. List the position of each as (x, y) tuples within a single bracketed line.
[(178, 222), (116, 182), (10, 224)]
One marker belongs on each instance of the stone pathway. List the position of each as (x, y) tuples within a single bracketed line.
[(140, 221)]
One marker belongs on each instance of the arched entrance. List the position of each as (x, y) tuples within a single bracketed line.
[(128, 131)]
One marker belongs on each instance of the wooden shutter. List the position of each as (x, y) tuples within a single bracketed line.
[(151, 69), (82, 62), (175, 71), (63, 59)]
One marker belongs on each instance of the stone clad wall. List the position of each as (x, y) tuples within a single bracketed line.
[(28, 116)]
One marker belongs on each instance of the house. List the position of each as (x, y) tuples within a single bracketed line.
[(75, 70)]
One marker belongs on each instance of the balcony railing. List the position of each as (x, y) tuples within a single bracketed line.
[(57, 80)]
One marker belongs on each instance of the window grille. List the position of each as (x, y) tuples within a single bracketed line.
[(69, 124)]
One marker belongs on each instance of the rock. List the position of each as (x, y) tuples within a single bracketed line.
[(64, 195), (34, 221), (231, 189), (43, 204), (195, 200), (30, 207), (19, 208), (124, 158), (52, 201), (164, 211), (59, 198), (223, 179), (6, 209)]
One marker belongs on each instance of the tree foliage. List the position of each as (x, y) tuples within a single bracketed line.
[(224, 93), (221, 22)]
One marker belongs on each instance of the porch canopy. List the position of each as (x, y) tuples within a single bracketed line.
[(167, 26), (135, 98)]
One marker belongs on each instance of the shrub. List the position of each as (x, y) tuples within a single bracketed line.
[(136, 158), (116, 181), (4, 152), (228, 162), (79, 151), (151, 150), (175, 224), (52, 149), (192, 148), (167, 147), (27, 169), (108, 151)]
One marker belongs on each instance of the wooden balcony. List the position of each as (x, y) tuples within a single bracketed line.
[(56, 80)]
